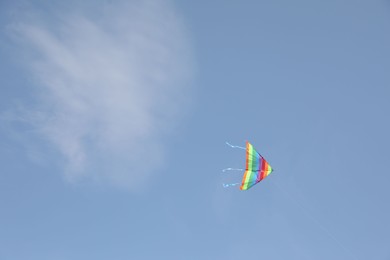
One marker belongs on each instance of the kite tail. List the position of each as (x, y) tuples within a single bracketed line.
[(230, 185), (235, 146), (232, 169)]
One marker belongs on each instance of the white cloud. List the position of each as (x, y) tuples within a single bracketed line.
[(111, 80)]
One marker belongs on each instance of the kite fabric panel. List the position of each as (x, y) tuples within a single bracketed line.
[(257, 168)]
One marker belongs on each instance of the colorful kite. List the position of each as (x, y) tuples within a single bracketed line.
[(256, 168)]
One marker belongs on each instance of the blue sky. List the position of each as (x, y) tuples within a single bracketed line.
[(114, 117)]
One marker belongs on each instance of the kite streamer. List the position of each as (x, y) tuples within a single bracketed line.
[(232, 169), (230, 185), (235, 146)]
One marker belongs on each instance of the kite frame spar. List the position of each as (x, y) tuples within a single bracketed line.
[(256, 168)]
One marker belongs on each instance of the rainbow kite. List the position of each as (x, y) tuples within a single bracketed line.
[(256, 168)]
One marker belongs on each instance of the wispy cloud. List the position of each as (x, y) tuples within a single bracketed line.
[(112, 81)]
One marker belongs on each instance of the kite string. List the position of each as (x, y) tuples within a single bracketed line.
[(235, 146), (315, 220)]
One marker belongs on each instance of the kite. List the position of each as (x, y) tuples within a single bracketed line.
[(256, 168)]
